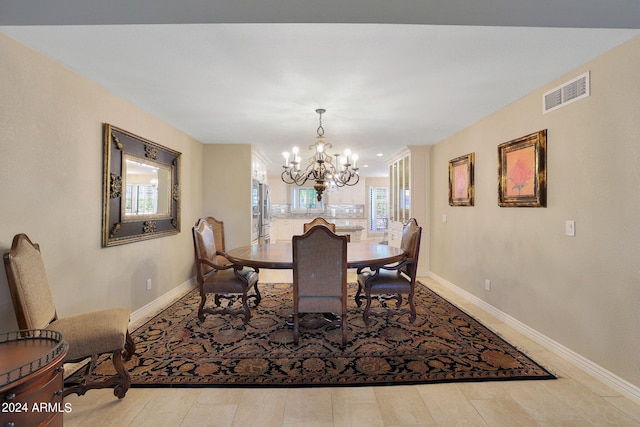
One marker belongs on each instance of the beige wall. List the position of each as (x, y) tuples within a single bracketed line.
[(227, 190), (51, 187), (581, 291)]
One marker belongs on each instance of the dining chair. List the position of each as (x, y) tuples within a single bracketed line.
[(320, 277), (218, 276), (89, 335), (390, 282), (319, 221)]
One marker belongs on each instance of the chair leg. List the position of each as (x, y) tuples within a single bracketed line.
[(120, 382), (257, 295), (343, 323), (129, 347), (203, 300), (398, 301), (412, 307), (296, 328), (81, 388), (359, 296), (367, 309), (123, 383), (245, 305)]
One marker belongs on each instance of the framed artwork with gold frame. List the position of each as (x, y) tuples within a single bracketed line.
[(522, 171), (461, 180)]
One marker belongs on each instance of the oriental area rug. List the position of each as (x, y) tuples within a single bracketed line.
[(444, 344)]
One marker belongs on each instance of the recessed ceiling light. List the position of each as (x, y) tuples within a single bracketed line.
[(365, 166), (379, 154)]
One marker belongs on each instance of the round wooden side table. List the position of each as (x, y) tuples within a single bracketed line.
[(32, 378)]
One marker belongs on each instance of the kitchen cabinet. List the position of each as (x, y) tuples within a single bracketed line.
[(409, 197), (298, 226), (286, 228), (348, 195), (279, 191), (259, 165), (283, 229), (400, 189)]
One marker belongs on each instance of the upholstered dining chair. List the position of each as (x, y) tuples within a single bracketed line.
[(393, 281), (217, 276), (319, 221), (89, 335), (320, 276)]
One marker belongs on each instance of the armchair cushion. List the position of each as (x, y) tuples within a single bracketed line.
[(319, 304), (387, 282), (93, 333), (226, 281)]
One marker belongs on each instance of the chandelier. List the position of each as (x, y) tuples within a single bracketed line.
[(321, 168)]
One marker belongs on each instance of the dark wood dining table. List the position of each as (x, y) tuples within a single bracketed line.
[(280, 255)]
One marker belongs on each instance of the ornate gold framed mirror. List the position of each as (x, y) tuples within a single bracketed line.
[(141, 186)]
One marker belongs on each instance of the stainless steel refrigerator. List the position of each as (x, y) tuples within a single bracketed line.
[(265, 214), (255, 212)]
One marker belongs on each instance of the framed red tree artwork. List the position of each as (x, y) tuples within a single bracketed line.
[(522, 171), (461, 180)]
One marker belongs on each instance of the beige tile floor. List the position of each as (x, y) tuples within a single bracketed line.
[(575, 399)]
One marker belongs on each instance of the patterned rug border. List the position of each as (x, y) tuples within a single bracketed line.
[(535, 372)]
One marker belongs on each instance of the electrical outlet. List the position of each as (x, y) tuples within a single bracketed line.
[(487, 284), (148, 284)]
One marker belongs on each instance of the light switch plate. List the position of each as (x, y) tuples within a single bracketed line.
[(570, 228)]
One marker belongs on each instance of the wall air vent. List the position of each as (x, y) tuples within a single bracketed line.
[(566, 93)]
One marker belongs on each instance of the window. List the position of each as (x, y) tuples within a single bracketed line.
[(305, 198), (141, 199), (378, 209)]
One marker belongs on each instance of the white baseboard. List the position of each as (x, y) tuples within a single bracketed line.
[(620, 385), (141, 315)]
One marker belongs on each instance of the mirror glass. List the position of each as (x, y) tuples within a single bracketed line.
[(147, 188)]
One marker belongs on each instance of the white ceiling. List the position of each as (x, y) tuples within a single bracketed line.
[(384, 85)]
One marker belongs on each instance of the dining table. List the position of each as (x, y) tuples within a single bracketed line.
[(279, 255)]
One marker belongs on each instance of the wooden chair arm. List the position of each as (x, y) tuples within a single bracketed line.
[(399, 265), (216, 266), (394, 266)]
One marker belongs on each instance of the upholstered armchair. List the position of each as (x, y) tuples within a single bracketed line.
[(88, 335), (319, 221), (392, 281), (217, 276), (320, 277)]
